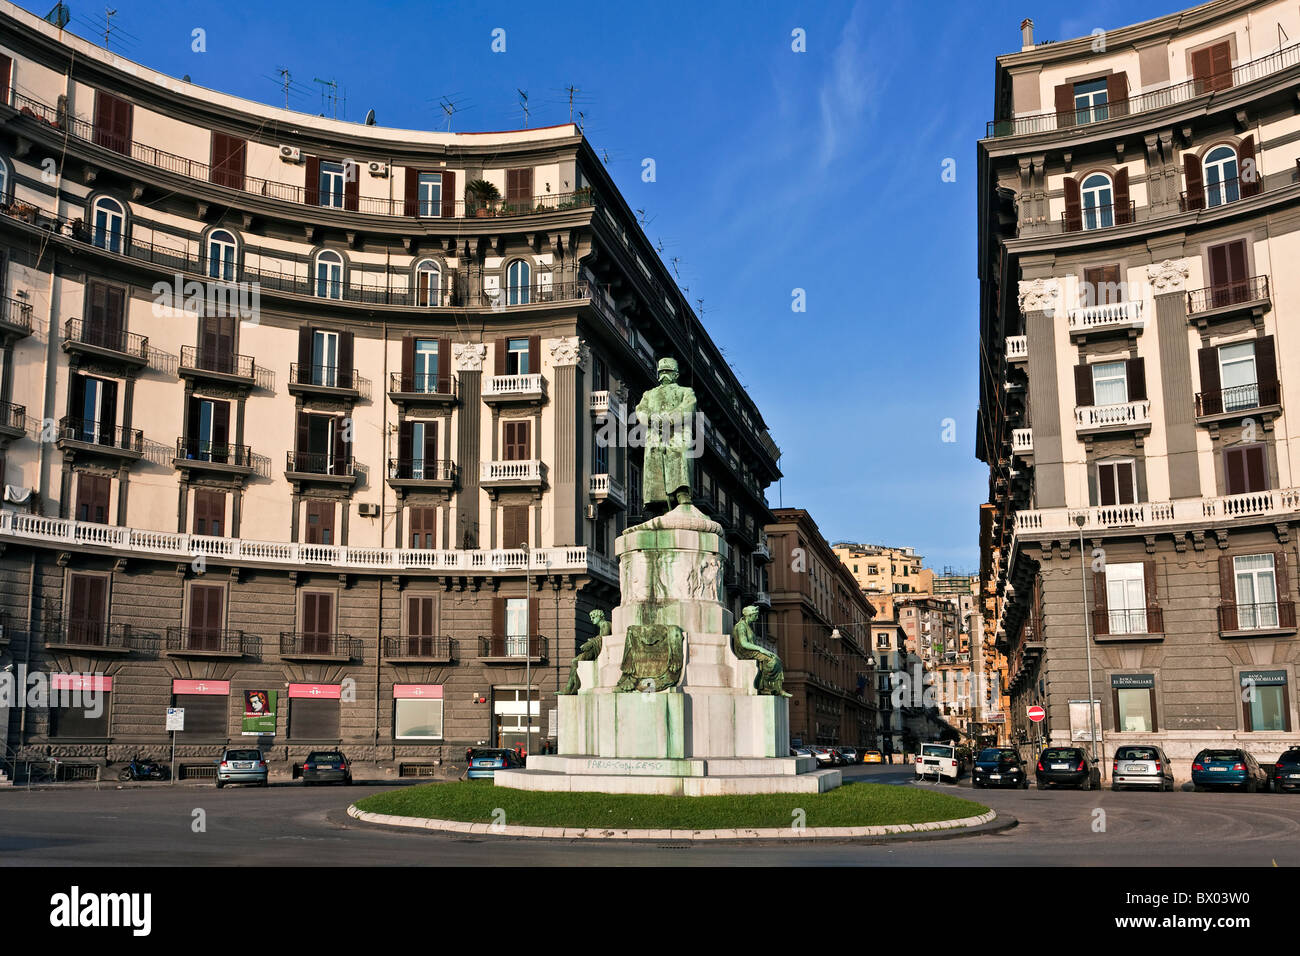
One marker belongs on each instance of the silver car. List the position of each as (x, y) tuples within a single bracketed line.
[(1141, 766), (241, 766)]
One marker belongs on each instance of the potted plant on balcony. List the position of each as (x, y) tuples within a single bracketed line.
[(484, 197)]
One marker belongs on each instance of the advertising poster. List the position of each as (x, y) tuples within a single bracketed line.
[(259, 713)]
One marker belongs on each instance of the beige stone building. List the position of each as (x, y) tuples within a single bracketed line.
[(1139, 225), (882, 569)]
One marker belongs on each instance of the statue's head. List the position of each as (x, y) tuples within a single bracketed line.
[(750, 612), (668, 371), (597, 617)]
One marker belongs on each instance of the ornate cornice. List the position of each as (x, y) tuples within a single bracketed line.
[(468, 357), (1167, 276), (1039, 295), (566, 350)]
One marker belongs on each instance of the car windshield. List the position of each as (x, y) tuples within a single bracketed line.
[(930, 751), (243, 755), (1061, 753), (1291, 756), (332, 757), (1221, 756), (490, 754), (994, 756), (1136, 753)]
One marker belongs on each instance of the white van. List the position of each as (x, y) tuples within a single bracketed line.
[(939, 761)]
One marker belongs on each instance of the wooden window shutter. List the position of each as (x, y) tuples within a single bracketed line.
[(108, 413), (1123, 211), (304, 355), (1227, 594), (1255, 467), (1221, 66), (411, 197), (500, 351), (1100, 617), (1106, 483), (1248, 171), (448, 195), (221, 425), (351, 186), (514, 525), (1083, 385), (1195, 181), (1281, 573), (342, 448), (1136, 373), (1149, 581), (345, 377), (1065, 115), (193, 417), (311, 181), (408, 363), (498, 617), (1202, 70), (1117, 94), (444, 366), (534, 353), (6, 67), (1073, 206), (1234, 470), (77, 403), (304, 434), (1266, 370), (228, 158), (404, 456), (1124, 484), (430, 449), (1211, 393)]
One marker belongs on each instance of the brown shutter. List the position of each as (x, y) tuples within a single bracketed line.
[(311, 181), (345, 378), (1221, 66), (1202, 70), (1256, 471), (404, 455), (444, 366), (1195, 181), (514, 525), (1280, 572), (412, 191), (408, 364), (1248, 171), (1266, 370), (221, 427), (430, 450), (498, 617), (1227, 594), (1234, 470), (304, 355), (1123, 213), (1149, 580), (1100, 617), (304, 434), (1065, 105), (1135, 372), (1211, 395), (1106, 485), (6, 67), (1124, 484), (1073, 206), (500, 350), (1083, 385), (1117, 94), (534, 354), (448, 195), (1238, 272), (534, 620), (228, 160), (351, 186), (108, 414), (342, 448)]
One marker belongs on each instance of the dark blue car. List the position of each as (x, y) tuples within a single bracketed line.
[(1227, 768)]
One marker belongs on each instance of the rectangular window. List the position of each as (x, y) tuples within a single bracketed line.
[(422, 530), (207, 607), (430, 194), (320, 523), (1115, 484), (1256, 591), (1101, 286), (317, 622), (1090, 101), (514, 526), (112, 123), (1109, 383), (79, 706), (599, 374), (1229, 273), (1126, 599), (426, 365), (1238, 377), (516, 627), (331, 184), (92, 498), (1135, 710), (516, 445), (209, 513), (325, 358), (517, 357), (1245, 469), (600, 458), (228, 155), (311, 719), (1265, 703), (417, 719), (217, 343), (87, 609), (1212, 68), (205, 716)]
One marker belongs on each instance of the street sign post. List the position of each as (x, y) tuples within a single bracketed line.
[(1036, 713), (175, 722)]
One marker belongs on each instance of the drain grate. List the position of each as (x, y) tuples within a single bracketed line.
[(418, 770), (197, 771), (79, 771)]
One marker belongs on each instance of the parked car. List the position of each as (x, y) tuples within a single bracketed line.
[(873, 756), (942, 760), (484, 763), (326, 766), (849, 754), (1227, 768), (1286, 771), (826, 757), (802, 752), (999, 767), (238, 765), (1066, 767), (1141, 766)]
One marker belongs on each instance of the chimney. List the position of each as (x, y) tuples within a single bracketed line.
[(1026, 34)]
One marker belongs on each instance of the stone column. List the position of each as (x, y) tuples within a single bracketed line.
[(1167, 285), (467, 359), (1040, 302), (566, 470)]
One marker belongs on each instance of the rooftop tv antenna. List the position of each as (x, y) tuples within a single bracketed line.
[(581, 120), (449, 108), (329, 94), (571, 90), (108, 24), (523, 104), (285, 80), (676, 260), (604, 153)]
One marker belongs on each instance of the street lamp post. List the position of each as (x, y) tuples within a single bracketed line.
[(528, 649), (1080, 520)]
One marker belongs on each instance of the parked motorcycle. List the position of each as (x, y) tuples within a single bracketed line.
[(145, 769)]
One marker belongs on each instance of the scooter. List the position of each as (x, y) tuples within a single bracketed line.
[(139, 769)]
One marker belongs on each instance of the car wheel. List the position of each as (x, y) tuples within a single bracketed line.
[(1086, 785), (1024, 784), (976, 785), (220, 784), (1043, 785), (348, 780), (1252, 785), (125, 775), (1115, 788)]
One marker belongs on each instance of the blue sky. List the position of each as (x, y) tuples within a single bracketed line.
[(775, 170)]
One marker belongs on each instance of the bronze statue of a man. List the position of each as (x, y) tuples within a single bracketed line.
[(667, 412), (589, 651), (771, 675)]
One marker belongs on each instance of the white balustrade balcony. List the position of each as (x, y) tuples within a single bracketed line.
[(1022, 440), (1278, 502), (522, 473), (516, 388), (1119, 416), (608, 488), (1111, 315), (1017, 348)]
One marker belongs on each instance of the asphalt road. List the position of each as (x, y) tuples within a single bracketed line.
[(296, 825)]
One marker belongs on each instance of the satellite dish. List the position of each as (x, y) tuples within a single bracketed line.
[(370, 118)]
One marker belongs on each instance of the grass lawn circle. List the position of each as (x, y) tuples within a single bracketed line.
[(850, 805)]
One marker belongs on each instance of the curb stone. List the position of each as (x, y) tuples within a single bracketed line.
[(578, 833)]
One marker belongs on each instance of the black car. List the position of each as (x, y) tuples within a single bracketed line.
[(999, 767), (1285, 773), (326, 766), (1067, 767)]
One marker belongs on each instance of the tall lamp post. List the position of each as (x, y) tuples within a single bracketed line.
[(528, 648), (1081, 520)]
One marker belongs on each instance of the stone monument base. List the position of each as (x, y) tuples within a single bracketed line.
[(695, 777)]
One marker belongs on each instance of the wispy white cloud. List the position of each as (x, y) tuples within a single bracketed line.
[(850, 91)]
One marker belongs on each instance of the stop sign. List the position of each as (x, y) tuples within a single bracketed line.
[(1036, 713)]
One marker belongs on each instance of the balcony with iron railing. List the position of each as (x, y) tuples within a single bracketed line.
[(1237, 399), (1221, 193), (327, 381), (1107, 316), (422, 388), (536, 293), (1090, 218), (310, 646), (503, 649), (105, 342), (1229, 298), (1255, 620), (1128, 624), (15, 317), (422, 472), (13, 420), (88, 635), (415, 648), (199, 454), (1159, 98), (1120, 416), (216, 365), (310, 464), (86, 435), (514, 388), (209, 642)]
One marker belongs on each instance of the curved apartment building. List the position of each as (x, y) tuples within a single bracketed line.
[(1139, 232), (299, 406)]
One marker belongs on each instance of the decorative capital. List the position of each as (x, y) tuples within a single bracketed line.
[(1039, 295), (468, 357), (1167, 276), (566, 350)]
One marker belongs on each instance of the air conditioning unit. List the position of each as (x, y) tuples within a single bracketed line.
[(378, 169), (593, 512), (291, 154), (368, 509)]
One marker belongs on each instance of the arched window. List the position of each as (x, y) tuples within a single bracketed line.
[(329, 275), (1221, 184), (109, 220), (518, 283), (221, 255), (1098, 202), (428, 284)]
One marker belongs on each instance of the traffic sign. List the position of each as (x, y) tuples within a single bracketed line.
[(175, 718), (1036, 713)]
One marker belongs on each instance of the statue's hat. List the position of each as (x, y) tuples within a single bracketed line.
[(667, 363)]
